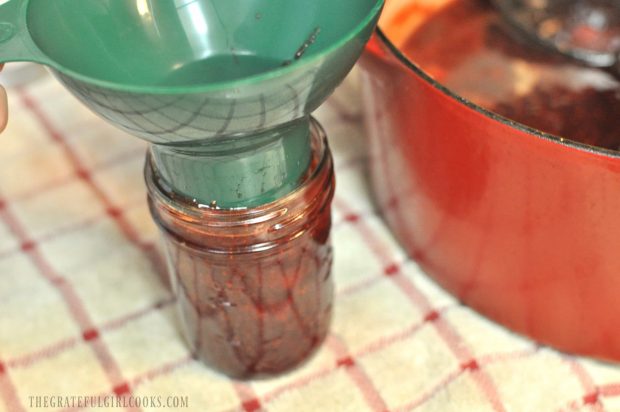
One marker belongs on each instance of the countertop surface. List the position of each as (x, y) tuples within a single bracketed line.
[(85, 309)]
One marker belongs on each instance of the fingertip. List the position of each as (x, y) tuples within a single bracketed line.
[(4, 109)]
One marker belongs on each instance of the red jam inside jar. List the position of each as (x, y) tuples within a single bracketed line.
[(253, 285)]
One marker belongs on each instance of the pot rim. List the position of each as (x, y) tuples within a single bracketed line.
[(582, 147)]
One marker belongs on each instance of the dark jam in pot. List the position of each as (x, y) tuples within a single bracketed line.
[(468, 47), (253, 285)]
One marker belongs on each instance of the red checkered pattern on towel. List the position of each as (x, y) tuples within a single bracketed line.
[(84, 311)]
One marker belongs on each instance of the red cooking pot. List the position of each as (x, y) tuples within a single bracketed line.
[(520, 225)]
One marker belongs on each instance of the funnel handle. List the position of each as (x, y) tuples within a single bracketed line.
[(15, 41)]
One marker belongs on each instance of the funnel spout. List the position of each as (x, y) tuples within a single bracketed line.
[(236, 172)]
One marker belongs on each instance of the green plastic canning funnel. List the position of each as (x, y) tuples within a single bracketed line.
[(222, 88)]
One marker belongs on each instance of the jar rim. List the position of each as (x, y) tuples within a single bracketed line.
[(182, 206)]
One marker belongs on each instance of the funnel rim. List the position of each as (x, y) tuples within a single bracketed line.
[(216, 86)]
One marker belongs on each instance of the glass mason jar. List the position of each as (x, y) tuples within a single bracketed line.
[(253, 285)]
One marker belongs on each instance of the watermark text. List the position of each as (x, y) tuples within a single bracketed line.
[(108, 401)]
